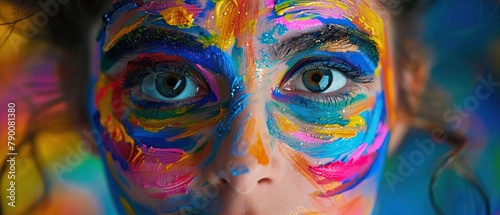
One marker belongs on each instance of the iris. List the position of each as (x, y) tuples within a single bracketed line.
[(170, 85), (317, 80)]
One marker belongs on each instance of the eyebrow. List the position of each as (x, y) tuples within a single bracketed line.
[(151, 39), (144, 38), (329, 33)]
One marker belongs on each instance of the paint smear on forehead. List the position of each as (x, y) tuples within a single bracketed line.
[(177, 14), (301, 14), (234, 27), (298, 14), (226, 16)]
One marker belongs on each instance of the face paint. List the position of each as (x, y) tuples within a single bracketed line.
[(207, 105)]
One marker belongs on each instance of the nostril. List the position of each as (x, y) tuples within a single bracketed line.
[(223, 181), (264, 181)]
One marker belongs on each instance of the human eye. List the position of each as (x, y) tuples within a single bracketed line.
[(326, 80), (169, 85), (167, 81)]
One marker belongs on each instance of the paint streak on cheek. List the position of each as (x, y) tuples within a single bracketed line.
[(163, 172), (333, 157), (342, 171), (167, 171), (336, 177), (115, 137), (347, 173), (160, 173), (106, 105), (361, 105), (333, 137), (334, 141), (320, 134), (188, 124)]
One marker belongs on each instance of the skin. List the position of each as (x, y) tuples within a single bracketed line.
[(247, 136)]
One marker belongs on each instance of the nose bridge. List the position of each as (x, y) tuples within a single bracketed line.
[(243, 157), (248, 132)]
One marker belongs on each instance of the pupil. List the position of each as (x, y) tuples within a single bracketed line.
[(316, 77), (318, 80), (170, 85), (171, 81)]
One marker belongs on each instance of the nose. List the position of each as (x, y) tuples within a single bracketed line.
[(244, 158)]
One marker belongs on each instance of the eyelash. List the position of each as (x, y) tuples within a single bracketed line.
[(334, 100), (133, 78), (353, 73), (137, 71)]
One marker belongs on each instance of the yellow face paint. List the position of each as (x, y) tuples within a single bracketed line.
[(332, 131), (155, 125), (178, 16), (286, 6), (107, 119), (226, 12), (258, 151)]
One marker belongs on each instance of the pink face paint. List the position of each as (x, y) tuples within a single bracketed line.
[(169, 171), (298, 24), (341, 171), (357, 154), (379, 140), (209, 78), (270, 3)]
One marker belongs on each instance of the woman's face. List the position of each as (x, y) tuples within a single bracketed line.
[(242, 107)]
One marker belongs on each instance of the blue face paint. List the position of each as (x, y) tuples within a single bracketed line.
[(268, 37), (238, 146), (338, 149), (238, 170), (237, 105), (307, 110)]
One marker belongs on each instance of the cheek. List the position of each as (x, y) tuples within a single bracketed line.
[(148, 151), (337, 151)]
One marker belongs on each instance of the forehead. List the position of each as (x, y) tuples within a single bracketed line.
[(229, 23)]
